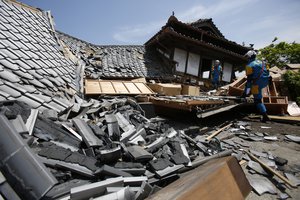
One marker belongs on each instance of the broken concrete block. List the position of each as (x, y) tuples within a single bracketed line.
[(87, 134), (94, 189)]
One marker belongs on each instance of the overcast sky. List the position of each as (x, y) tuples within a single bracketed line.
[(135, 21)]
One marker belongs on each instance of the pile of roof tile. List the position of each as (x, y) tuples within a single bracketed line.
[(105, 148)]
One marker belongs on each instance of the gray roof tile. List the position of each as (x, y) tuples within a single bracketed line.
[(45, 98), (23, 74), (35, 74), (35, 97), (9, 64), (29, 101), (56, 106), (23, 64), (36, 83), (47, 83), (16, 87), (30, 59), (12, 92), (7, 75)]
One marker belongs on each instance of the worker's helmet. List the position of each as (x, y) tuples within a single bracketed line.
[(217, 62), (250, 54)]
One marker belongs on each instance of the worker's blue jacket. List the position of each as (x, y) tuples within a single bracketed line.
[(257, 77), (216, 71)]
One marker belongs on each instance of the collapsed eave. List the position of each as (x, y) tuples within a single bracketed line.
[(190, 33), (167, 34)]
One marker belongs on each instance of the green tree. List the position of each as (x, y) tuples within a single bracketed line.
[(281, 53), (292, 81)]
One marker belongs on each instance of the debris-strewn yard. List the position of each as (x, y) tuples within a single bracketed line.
[(276, 144)]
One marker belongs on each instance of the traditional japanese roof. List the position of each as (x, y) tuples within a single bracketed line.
[(197, 39), (116, 61), (33, 68), (207, 25)]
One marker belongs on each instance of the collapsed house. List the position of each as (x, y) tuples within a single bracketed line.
[(77, 147), (193, 47)]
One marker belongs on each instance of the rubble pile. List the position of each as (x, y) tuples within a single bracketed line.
[(265, 171), (108, 147)]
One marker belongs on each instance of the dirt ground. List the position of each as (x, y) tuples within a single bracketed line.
[(282, 148)]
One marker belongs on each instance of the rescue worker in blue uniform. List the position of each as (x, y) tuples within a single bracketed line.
[(257, 78), (216, 74)]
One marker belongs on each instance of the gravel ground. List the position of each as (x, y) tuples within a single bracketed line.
[(282, 148)]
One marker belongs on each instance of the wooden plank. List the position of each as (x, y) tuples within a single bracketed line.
[(289, 119), (92, 87), (107, 87), (143, 88), (218, 179), (199, 102), (132, 88), (120, 88), (217, 132)]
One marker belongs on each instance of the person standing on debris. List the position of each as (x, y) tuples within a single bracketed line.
[(216, 72), (257, 78)]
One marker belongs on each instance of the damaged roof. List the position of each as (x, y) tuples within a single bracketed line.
[(117, 61), (198, 39), (32, 67), (208, 25)]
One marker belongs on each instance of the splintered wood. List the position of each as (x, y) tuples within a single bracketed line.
[(98, 87)]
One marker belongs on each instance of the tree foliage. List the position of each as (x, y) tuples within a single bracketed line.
[(281, 53), (292, 81)]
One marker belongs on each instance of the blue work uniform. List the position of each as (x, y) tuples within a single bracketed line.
[(216, 72), (257, 79)]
